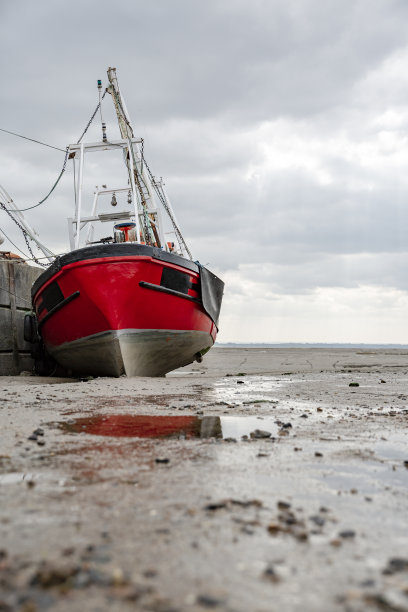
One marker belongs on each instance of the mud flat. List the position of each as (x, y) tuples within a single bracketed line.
[(259, 480)]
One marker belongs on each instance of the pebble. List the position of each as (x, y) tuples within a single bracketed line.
[(396, 564), (318, 520), (162, 460), (347, 534), (215, 506), (270, 574), (209, 601), (282, 505), (260, 433)]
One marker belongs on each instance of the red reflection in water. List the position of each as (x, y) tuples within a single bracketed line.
[(140, 426)]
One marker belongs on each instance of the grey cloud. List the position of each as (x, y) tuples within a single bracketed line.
[(200, 79)]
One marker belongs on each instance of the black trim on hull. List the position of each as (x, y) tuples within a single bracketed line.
[(169, 291), (57, 308), (111, 250)]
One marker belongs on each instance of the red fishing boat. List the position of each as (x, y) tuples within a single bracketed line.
[(133, 303)]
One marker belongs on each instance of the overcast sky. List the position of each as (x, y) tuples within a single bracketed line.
[(280, 128)]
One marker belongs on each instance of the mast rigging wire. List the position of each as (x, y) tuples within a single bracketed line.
[(25, 234), (64, 163), (32, 139), (14, 245)]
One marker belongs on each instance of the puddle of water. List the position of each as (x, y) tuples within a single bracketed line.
[(253, 388), (393, 448), (16, 477), (367, 478), (147, 426)]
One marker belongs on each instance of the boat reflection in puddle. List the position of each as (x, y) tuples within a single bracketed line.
[(184, 427)]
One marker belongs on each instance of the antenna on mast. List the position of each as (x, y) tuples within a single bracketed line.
[(100, 110)]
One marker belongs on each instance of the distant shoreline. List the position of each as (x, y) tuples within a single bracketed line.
[(329, 345)]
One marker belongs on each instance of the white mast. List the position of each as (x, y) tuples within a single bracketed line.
[(150, 226)]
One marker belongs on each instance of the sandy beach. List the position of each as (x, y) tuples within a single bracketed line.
[(259, 480)]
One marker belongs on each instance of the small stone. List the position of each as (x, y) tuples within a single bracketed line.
[(396, 564), (41, 442), (318, 520), (240, 382), (215, 506), (32, 437), (406, 463), (347, 534), (286, 425), (209, 601), (282, 505), (271, 575), (304, 416), (302, 536), (162, 460), (260, 433), (318, 454), (354, 384), (275, 528), (150, 573), (49, 576), (369, 583), (382, 381), (38, 431), (118, 578), (230, 440)]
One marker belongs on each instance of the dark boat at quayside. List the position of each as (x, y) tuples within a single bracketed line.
[(133, 303)]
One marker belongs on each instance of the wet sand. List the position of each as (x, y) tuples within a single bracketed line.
[(309, 513)]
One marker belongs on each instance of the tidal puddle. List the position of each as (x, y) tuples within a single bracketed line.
[(245, 389), (179, 427)]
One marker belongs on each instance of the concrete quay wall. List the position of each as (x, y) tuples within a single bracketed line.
[(16, 279)]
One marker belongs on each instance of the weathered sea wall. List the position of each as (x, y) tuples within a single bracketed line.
[(16, 279)]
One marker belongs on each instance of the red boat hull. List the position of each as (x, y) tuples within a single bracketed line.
[(129, 309)]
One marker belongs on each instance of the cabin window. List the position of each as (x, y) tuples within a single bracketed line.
[(176, 280), (51, 296)]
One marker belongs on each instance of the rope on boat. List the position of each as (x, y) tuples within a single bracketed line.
[(49, 193), (9, 239), (9, 211), (63, 165), (32, 140), (165, 206), (25, 234), (92, 118)]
